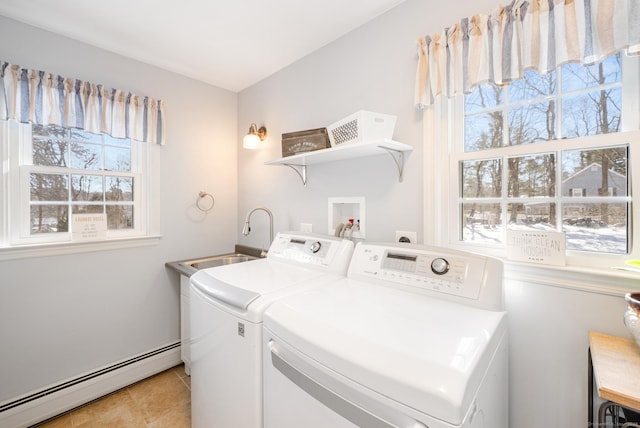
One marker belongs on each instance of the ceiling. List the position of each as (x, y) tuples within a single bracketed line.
[(231, 44)]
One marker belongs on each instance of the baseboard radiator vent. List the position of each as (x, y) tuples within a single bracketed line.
[(71, 393)]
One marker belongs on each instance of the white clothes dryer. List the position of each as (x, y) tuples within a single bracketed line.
[(414, 337), (227, 303)]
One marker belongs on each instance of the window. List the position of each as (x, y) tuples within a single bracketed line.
[(58, 175), (528, 151)]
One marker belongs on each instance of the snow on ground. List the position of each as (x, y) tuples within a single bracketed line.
[(597, 239)]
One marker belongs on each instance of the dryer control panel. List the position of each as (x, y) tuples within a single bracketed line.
[(455, 273), (317, 250)]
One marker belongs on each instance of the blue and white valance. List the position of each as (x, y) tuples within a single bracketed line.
[(526, 34), (33, 96)]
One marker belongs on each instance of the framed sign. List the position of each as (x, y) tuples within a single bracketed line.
[(543, 247), (89, 227)]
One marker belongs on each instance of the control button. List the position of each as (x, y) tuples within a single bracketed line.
[(440, 266), (315, 247)]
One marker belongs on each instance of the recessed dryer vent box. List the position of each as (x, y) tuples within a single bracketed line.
[(343, 209)]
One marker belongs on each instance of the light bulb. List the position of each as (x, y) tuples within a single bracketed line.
[(251, 141)]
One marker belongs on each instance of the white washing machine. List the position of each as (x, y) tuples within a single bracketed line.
[(227, 304), (413, 337)]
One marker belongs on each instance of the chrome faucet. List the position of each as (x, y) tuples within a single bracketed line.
[(247, 226)]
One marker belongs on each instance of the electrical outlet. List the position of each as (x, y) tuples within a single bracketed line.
[(406, 237), (306, 227)]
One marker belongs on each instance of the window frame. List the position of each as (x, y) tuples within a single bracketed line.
[(16, 241), (444, 121)]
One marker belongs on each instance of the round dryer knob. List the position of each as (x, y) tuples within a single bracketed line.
[(315, 247), (439, 266)]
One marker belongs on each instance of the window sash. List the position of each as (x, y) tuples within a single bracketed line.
[(25, 235), (502, 223), (554, 146)]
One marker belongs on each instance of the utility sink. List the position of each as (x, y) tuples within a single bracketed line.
[(242, 254), (224, 259)]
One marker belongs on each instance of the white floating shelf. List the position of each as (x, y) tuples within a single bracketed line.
[(300, 161)]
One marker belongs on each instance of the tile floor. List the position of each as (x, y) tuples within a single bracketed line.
[(161, 401)]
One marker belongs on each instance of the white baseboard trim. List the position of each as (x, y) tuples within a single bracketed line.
[(63, 398)]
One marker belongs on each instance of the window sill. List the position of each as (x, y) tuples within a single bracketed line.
[(608, 281), (62, 248), (601, 276)]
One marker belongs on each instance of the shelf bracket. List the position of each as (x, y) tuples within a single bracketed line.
[(301, 170), (398, 158)]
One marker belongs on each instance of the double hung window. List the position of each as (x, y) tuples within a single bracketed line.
[(58, 175), (548, 152)]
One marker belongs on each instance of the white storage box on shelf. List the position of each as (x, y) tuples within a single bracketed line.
[(361, 126)]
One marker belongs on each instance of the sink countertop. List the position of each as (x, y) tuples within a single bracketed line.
[(182, 268)]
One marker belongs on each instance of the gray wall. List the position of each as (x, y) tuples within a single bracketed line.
[(65, 315), (373, 68), (548, 341)]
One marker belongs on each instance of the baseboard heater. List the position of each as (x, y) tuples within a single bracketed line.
[(71, 393)]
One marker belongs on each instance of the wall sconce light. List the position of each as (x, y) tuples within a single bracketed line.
[(254, 136)]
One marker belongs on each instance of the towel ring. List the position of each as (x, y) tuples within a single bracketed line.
[(205, 208)]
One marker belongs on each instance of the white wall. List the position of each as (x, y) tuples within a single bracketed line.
[(64, 315), (373, 68)]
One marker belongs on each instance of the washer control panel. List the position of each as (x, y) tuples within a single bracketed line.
[(453, 273), (314, 250)]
